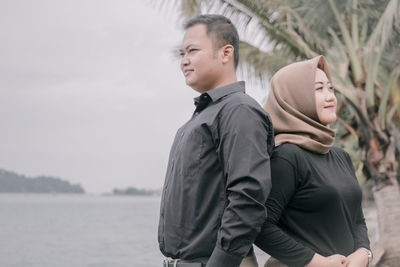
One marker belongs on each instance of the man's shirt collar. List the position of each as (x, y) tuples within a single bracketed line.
[(217, 93)]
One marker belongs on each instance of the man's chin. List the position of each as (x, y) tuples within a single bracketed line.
[(191, 84), (195, 86), (188, 82)]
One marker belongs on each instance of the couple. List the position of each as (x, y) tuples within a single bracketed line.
[(228, 187)]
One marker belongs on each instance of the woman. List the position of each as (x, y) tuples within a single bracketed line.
[(314, 208)]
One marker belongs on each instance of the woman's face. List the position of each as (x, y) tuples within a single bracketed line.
[(325, 99)]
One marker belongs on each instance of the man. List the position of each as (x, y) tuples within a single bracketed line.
[(218, 175)]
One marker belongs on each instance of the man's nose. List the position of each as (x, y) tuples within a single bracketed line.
[(184, 61)]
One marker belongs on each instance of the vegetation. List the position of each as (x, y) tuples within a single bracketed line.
[(361, 41), (135, 192), (11, 182)]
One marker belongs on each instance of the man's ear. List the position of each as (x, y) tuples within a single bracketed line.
[(227, 53)]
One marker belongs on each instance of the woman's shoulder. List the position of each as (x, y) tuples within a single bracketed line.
[(288, 151), (340, 152), (291, 160), (288, 148)]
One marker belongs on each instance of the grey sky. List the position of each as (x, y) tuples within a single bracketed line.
[(90, 91)]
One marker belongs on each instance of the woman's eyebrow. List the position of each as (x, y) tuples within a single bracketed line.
[(322, 82)]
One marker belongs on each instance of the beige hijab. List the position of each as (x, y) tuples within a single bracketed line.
[(291, 105)]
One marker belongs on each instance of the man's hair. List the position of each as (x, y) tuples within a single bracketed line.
[(222, 30)]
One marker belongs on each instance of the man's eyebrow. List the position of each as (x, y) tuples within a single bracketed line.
[(181, 50), (188, 46)]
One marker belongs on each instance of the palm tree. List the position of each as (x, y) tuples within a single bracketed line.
[(361, 40)]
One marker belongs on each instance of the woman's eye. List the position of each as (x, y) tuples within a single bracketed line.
[(192, 50)]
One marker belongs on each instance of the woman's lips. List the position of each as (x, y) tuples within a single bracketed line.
[(330, 106)]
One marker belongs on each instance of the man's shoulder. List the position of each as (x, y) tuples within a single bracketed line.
[(240, 99), (241, 103)]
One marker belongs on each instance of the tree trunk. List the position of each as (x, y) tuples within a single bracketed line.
[(387, 200)]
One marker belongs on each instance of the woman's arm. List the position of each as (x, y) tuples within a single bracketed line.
[(360, 231), (331, 261), (360, 257), (272, 239)]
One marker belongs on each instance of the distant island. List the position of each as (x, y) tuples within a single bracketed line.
[(133, 191), (11, 182)]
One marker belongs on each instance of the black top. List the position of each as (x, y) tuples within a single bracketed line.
[(218, 179), (314, 206)]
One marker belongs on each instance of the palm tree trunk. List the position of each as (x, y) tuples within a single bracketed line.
[(387, 201)]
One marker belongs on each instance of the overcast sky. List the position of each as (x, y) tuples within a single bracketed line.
[(90, 91)]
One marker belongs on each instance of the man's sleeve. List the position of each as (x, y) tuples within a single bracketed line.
[(243, 150)]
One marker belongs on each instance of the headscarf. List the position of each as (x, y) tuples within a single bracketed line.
[(291, 105)]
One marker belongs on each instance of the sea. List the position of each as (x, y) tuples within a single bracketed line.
[(53, 230)]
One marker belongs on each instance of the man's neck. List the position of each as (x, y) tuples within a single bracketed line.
[(221, 83)]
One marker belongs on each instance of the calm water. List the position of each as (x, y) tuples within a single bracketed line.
[(73, 231)]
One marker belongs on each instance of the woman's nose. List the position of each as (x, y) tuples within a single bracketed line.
[(330, 95)]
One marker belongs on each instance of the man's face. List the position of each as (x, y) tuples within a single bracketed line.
[(200, 63)]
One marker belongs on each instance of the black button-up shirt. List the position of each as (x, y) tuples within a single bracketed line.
[(218, 179)]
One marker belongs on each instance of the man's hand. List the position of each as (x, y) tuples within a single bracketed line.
[(358, 258)]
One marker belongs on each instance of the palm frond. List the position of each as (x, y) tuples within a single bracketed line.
[(356, 66), (377, 43), (393, 110), (261, 63), (384, 101), (354, 25), (341, 49), (382, 31)]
